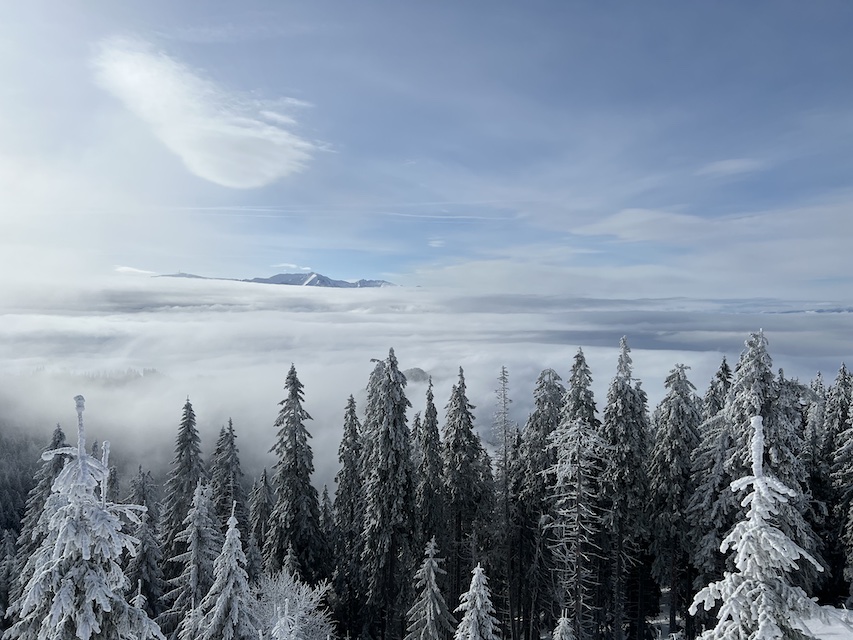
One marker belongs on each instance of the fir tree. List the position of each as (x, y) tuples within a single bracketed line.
[(676, 423), (226, 481), (758, 600), (187, 471), (200, 542), (261, 502), (718, 390), (327, 517), (429, 618), (7, 568), (388, 498), (348, 514), (226, 612), (76, 586), (478, 622), (145, 568), (428, 486), (295, 519), (563, 630)]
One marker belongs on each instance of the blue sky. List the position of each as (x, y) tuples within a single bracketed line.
[(614, 149)]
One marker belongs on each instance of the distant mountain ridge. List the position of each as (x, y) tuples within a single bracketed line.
[(312, 279)]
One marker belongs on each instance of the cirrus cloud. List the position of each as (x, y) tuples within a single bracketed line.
[(220, 136)]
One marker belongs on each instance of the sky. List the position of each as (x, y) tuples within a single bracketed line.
[(536, 176)]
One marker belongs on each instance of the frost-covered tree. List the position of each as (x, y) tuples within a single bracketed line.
[(285, 605), (145, 569), (563, 630), (676, 422), (295, 519), (186, 472), (577, 520), (386, 550), (261, 502), (349, 519), (226, 481), (200, 542), (76, 587), (226, 611), (718, 391), (625, 430), (757, 599), (7, 568), (462, 456), (428, 484), (429, 618), (478, 621)]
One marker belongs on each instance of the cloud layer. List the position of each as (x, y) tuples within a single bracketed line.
[(220, 136)]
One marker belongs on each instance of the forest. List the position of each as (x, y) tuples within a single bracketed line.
[(720, 515)]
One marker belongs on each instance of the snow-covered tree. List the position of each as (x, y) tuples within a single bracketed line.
[(145, 569), (295, 519), (76, 587), (386, 553), (563, 630), (429, 618), (327, 516), (676, 424), (478, 621), (428, 484), (261, 501), (200, 542), (758, 600), (226, 481), (349, 519), (285, 605), (718, 391), (226, 611), (186, 472), (7, 568)]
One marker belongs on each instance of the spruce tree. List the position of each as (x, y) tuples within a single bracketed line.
[(327, 517), (429, 618), (478, 622), (226, 611), (145, 569), (758, 599), (187, 471), (388, 499), (7, 569), (76, 588), (428, 486), (226, 481), (718, 390), (261, 502), (295, 519), (349, 519), (676, 422)]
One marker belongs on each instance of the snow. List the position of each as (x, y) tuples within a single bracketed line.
[(839, 625)]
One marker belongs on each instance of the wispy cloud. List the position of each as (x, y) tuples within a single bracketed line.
[(219, 135), (731, 167), (290, 265), (133, 271)]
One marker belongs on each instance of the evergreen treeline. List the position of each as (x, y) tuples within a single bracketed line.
[(585, 523)]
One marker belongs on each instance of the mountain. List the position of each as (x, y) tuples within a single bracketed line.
[(296, 279)]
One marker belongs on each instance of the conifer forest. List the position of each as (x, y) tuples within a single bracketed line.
[(722, 514)]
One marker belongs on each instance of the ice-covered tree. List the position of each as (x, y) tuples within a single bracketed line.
[(7, 568), (429, 618), (718, 391), (76, 587), (226, 481), (200, 542), (386, 553), (288, 609), (676, 422), (295, 518), (226, 611), (145, 569), (261, 502), (563, 630), (186, 472), (478, 621), (757, 600), (428, 484), (348, 514)]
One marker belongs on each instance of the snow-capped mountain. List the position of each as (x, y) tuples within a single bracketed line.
[(296, 279)]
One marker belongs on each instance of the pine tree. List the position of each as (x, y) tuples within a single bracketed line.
[(145, 568), (261, 502), (758, 600), (349, 521), (429, 618), (76, 587), (461, 466), (388, 498), (295, 519), (428, 484), (187, 471), (478, 622), (676, 423), (625, 430), (226, 481), (226, 612), (200, 542), (718, 390)]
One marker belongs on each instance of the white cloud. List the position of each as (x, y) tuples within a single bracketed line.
[(633, 225), (731, 167), (290, 265), (436, 243), (220, 136), (133, 271)]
